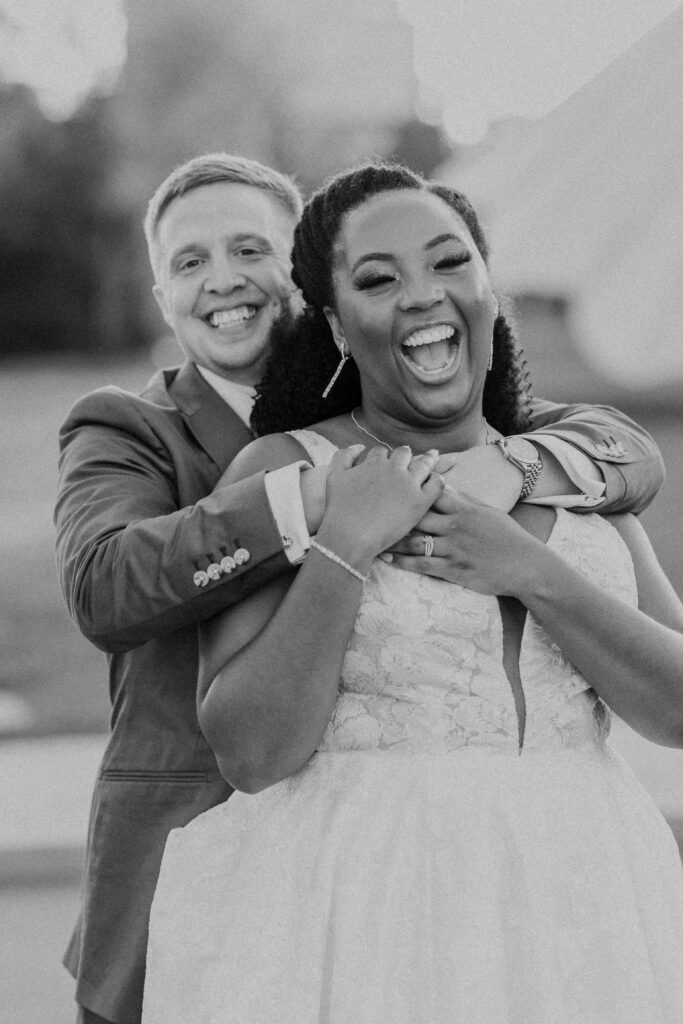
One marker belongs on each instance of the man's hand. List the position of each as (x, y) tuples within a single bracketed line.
[(484, 474)]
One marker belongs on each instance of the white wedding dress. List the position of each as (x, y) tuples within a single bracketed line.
[(429, 865)]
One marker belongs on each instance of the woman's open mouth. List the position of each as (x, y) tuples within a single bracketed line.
[(432, 353)]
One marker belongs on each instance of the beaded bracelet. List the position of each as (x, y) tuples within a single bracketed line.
[(340, 561)]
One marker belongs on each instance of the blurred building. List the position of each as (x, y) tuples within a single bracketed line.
[(584, 210), (308, 87)]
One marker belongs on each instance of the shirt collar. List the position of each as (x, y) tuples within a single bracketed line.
[(240, 397)]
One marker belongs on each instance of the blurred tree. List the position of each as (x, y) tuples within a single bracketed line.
[(308, 88), (64, 246)]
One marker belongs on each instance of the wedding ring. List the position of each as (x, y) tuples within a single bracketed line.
[(429, 545)]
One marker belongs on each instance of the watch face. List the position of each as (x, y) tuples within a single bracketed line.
[(522, 449)]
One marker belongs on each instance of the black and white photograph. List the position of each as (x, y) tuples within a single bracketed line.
[(341, 603)]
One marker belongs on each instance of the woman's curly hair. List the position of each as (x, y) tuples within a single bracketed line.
[(305, 356)]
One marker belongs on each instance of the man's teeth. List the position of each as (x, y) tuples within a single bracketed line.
[(431, 348), (226, 317)]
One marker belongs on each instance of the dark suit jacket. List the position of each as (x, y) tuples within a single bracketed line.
[(135, 520)]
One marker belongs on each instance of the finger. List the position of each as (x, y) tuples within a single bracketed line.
[(414, 544), (422, 465), (436, 523), (377, 452), (344, 458), (401, 456), (419, 564), (433, 486)]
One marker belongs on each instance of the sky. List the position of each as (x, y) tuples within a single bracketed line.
[(476, 60)]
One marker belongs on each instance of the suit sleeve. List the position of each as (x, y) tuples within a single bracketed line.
[(626, 455), (126, 552)]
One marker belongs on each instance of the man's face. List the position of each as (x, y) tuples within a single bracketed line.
[(223, 275)]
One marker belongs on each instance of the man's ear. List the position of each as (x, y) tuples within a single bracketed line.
[(158, 293), (337, 329)]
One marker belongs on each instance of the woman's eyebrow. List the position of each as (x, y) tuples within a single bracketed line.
[(432, 244), (447, 237), (372, 256)]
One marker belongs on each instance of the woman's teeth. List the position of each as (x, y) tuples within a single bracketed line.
[(431, 348), (230, 317)]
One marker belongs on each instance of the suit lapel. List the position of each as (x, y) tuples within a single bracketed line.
[(212, 422)]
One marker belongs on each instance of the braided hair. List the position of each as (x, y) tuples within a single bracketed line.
[(305, 357)]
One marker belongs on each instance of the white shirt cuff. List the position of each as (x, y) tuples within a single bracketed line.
[(284, 495), (580, 469)]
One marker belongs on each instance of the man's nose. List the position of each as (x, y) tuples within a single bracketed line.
[(224, 274), (422, 293)]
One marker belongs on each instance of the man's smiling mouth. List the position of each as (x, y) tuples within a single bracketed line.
[(231, 317), (433, 349)]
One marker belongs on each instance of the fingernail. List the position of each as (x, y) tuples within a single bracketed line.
[(355, 448), (434, 452), (386, 557)]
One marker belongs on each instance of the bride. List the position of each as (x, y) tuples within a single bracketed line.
[(431, 826)]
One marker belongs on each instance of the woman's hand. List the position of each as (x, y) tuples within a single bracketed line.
[(371, 504), (474, 545)]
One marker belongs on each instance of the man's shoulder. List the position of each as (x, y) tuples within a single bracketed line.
[(112, 405)]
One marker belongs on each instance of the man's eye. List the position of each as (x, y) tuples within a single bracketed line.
[(374, 281), (249, 251), (189, 264)]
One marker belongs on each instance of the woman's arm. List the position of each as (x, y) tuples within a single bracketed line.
[(270, 667), (633, 657)]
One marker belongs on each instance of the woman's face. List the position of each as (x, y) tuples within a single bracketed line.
[(414, 306)]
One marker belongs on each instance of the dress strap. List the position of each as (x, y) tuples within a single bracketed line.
[(319, 449)]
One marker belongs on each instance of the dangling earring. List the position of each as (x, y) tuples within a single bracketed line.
[(344, 357), (490, 362)]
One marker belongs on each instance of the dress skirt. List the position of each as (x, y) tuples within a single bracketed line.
[(477, 886)]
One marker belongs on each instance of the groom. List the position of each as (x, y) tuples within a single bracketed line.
[(149, 543)]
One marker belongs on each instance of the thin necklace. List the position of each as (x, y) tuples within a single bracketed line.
[(386, 444)]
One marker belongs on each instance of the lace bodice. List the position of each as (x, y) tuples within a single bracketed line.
[(424, 667)]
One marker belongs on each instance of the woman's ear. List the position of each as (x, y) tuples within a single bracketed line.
[(337, 329)]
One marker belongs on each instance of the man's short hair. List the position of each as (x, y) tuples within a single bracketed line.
[(211, 169)]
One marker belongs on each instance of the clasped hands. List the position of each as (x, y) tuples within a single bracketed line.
[(475, 543)]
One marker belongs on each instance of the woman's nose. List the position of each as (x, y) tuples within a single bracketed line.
[(422, 293)]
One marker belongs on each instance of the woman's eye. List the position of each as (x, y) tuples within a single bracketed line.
[(249, 251), (454, 260), (374, 281)]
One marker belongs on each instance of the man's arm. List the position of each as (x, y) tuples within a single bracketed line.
[(628, 459), (127, 554), (594, 459)]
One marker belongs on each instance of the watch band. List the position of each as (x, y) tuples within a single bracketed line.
[(531, 469)]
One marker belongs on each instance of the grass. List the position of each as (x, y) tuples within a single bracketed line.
[(45, 662)]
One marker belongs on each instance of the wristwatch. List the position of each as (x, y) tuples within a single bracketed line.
[(525, 456)]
